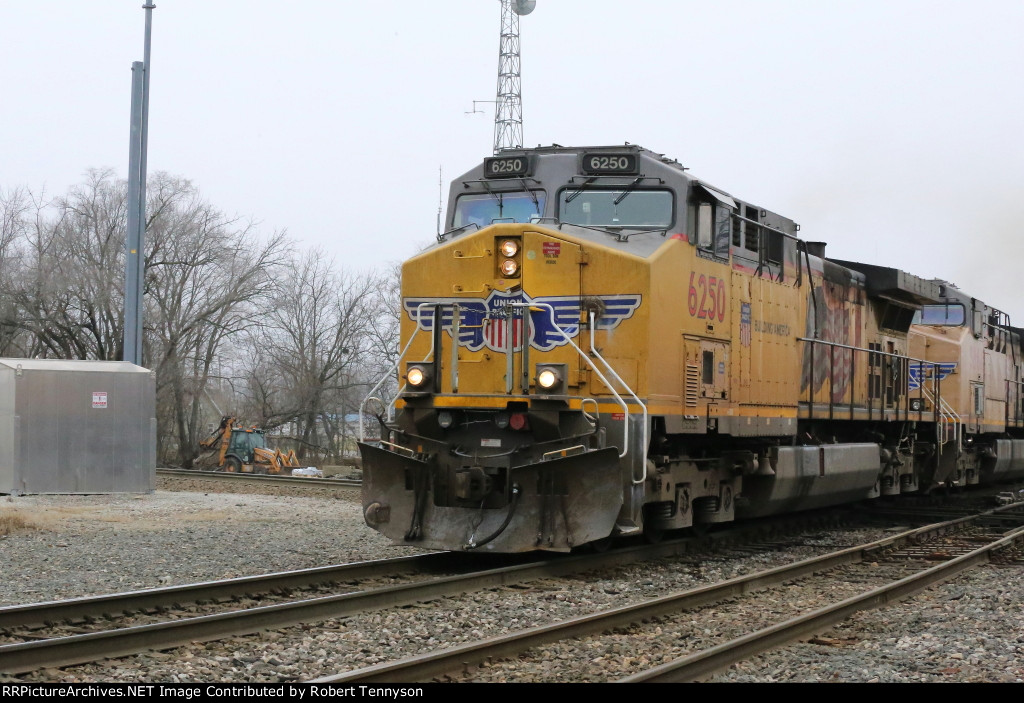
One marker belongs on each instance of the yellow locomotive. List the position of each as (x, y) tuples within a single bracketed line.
[(967, 360), (603, 344)]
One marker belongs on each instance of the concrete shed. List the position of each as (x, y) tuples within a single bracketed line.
[(76, 427)]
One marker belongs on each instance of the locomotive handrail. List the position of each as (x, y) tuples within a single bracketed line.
[(551, 312), (625, 408), (394, 367), (619, 235), (768, 228), (383, 405), (456, 323), (588, 179), (614, 373), (840, 345), (936, 412), (442, 235), (434, 347), (1018, 386), (948, 415)]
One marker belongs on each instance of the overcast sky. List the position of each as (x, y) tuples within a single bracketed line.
[(889, 129)]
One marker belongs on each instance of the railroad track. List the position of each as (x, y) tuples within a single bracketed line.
[(934, 553), (64, 633), (282, 480)]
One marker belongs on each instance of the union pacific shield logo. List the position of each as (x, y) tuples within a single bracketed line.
[(745, 324), (926, 371), (500, 321)]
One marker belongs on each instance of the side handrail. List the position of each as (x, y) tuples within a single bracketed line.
[(618, 398), (948, 416), (383, 407), (394, 367), (614, 374), (551, 311), (871, 352), (942, 412)]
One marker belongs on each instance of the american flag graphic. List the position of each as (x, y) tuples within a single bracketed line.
[(745, 324), (497, 332)]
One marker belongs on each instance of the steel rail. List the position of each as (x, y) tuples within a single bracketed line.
[(40, 614), (433, 665), (287, 480), (77, 649), (701, 665)]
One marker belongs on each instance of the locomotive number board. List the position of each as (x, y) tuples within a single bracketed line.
[(506, 167), (598, 164)]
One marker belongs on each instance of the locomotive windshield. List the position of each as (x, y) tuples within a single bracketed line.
[(944, 315), (484, 208), (616, 208)]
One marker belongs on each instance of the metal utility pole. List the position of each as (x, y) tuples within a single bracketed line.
[(135, 263), (508, 110)]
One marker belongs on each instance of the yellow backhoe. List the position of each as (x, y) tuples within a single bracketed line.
[(237, 449)]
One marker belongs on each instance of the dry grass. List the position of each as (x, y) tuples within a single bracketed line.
[(12, 521)]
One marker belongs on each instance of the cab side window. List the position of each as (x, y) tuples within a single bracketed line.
[(753, 235), (714, 228)]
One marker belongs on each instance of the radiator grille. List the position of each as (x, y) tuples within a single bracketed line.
[(692, 383)]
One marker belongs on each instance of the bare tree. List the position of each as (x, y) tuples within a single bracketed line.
[(89, 232), (314, 346), (207, 278), (385, 323), (296, 341), (15, 207)]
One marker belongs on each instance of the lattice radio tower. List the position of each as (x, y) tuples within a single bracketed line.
[(508, 108)]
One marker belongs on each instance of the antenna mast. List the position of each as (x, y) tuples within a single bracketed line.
[(508, 110), (440, 198)]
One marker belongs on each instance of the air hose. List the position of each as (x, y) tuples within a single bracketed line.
[(508, 518)]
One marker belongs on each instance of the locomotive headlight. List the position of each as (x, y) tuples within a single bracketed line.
[(916, 404), (509, 252), (445, 419), (551, 377), (547, 378), (416, 376), (509, 248)]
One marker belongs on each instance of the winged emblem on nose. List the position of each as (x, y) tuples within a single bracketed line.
[(499, 321), (922, 373)]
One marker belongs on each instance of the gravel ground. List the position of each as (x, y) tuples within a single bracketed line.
[(971, 629), (84, 545)]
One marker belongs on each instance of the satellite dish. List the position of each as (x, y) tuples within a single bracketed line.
[(523, 7)]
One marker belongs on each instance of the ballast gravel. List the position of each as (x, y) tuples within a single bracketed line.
[(970, 629)]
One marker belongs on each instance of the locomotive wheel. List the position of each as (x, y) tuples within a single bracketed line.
[(653, 535), (699, 529)]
